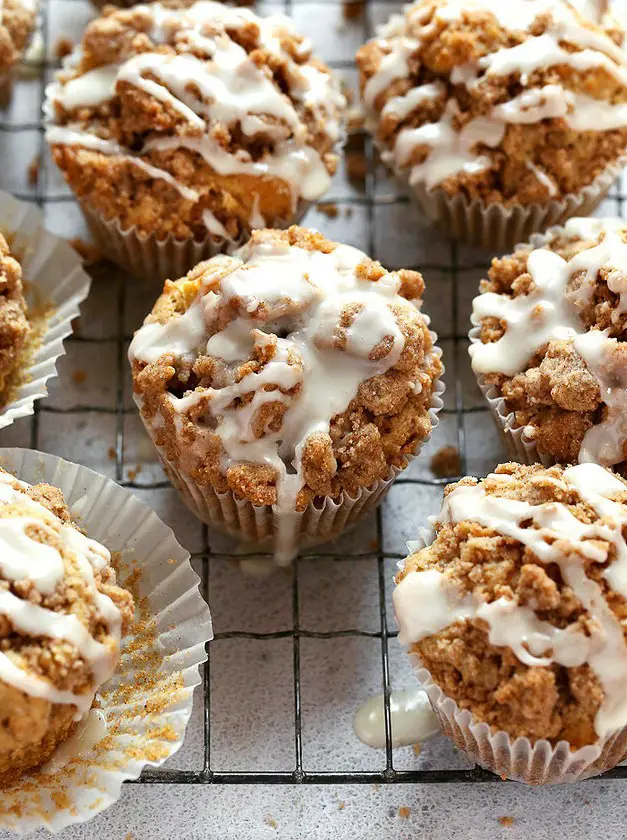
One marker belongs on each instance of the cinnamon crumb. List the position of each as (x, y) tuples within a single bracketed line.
[(446, 462), (506, 822), (404, 812), (78, 377), (111, 455), (63, 47), (33, 171), (331, 211), (341, 806)]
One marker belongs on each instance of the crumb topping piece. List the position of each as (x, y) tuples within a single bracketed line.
[(502, 101), (295, 369), (517, 607), (214, 114), (61, 613), (552, 325), (14, 325)]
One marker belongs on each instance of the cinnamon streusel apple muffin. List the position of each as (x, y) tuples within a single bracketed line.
[(286, 386), (62, 617), (502, 117), (17, 20), (181, 129), (515, 604), (549, 346), (14, 326)]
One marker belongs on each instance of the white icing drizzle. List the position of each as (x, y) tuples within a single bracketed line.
[(550, 313), (549, 531), (24, 558), (411, 716), (223, 87), (305, 292), (451, 151)]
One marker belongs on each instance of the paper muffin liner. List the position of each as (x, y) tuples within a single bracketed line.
[(147, 703), (161, 259), (538, 763), (54, 285), (518, 442), (262, 526), (499, 228)]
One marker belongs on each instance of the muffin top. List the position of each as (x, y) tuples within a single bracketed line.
[(196, 120), (14, 326), (61, 613), (518, 607), (17, 19), (510, 101), (295, 369), (552, 340)]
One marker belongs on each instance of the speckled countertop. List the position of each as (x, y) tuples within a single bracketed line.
[(89, 417)]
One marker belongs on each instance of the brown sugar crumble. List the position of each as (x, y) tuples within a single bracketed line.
[(385, 421), (549, 701), (404, 812), (446, 462), (506, 822), (464, 61)]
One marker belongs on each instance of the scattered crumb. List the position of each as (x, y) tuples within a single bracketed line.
[(352, 9), (63, 47), (329, 210), (506, 822), (89, 253), (132, 475), (111, 454), (417, 748), (341, 806), (404, 812), (33, 170), (356, 167), (129, 836), (172, 561), (446, 462), (374, 545), (78, 377), (271, 822)]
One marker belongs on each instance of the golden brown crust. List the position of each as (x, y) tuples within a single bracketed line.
[(380, 428), (550, 702), (556, 396), (570, 159), (14, 326), (121, 190), (31, 728)]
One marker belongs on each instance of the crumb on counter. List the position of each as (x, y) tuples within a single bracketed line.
[(446, 463)]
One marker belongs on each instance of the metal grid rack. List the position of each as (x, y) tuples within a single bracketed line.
[(369, 200)]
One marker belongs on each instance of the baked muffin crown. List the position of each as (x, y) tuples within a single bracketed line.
[(195, 120), (510, 102), (551, 325), (296, 369), (517, 607)]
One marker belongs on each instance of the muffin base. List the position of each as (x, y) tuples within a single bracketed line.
[(262, 525), (159, 259)]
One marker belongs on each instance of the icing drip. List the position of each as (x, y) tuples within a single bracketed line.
[(547, 532), (224, 87), (451, 151), (25, 558), (304, 294), (412, 718), (549, 313)]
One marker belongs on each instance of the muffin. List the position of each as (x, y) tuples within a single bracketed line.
[(502, 118), (515, 606), (14, 325), (549, 346), (17, 21), (181, 129), (286, 385), (62, 617)]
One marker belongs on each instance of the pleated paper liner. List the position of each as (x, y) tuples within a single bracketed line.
[(498, 228), (539, 763), (263, 527), (146, 705), (55, 286)]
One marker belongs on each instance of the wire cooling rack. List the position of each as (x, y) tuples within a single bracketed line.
[(89, 417)]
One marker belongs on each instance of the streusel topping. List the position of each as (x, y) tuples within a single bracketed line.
[(502, 100), (518, 605), (553, 323), (296, 369), (14, 326), (191, 120)]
